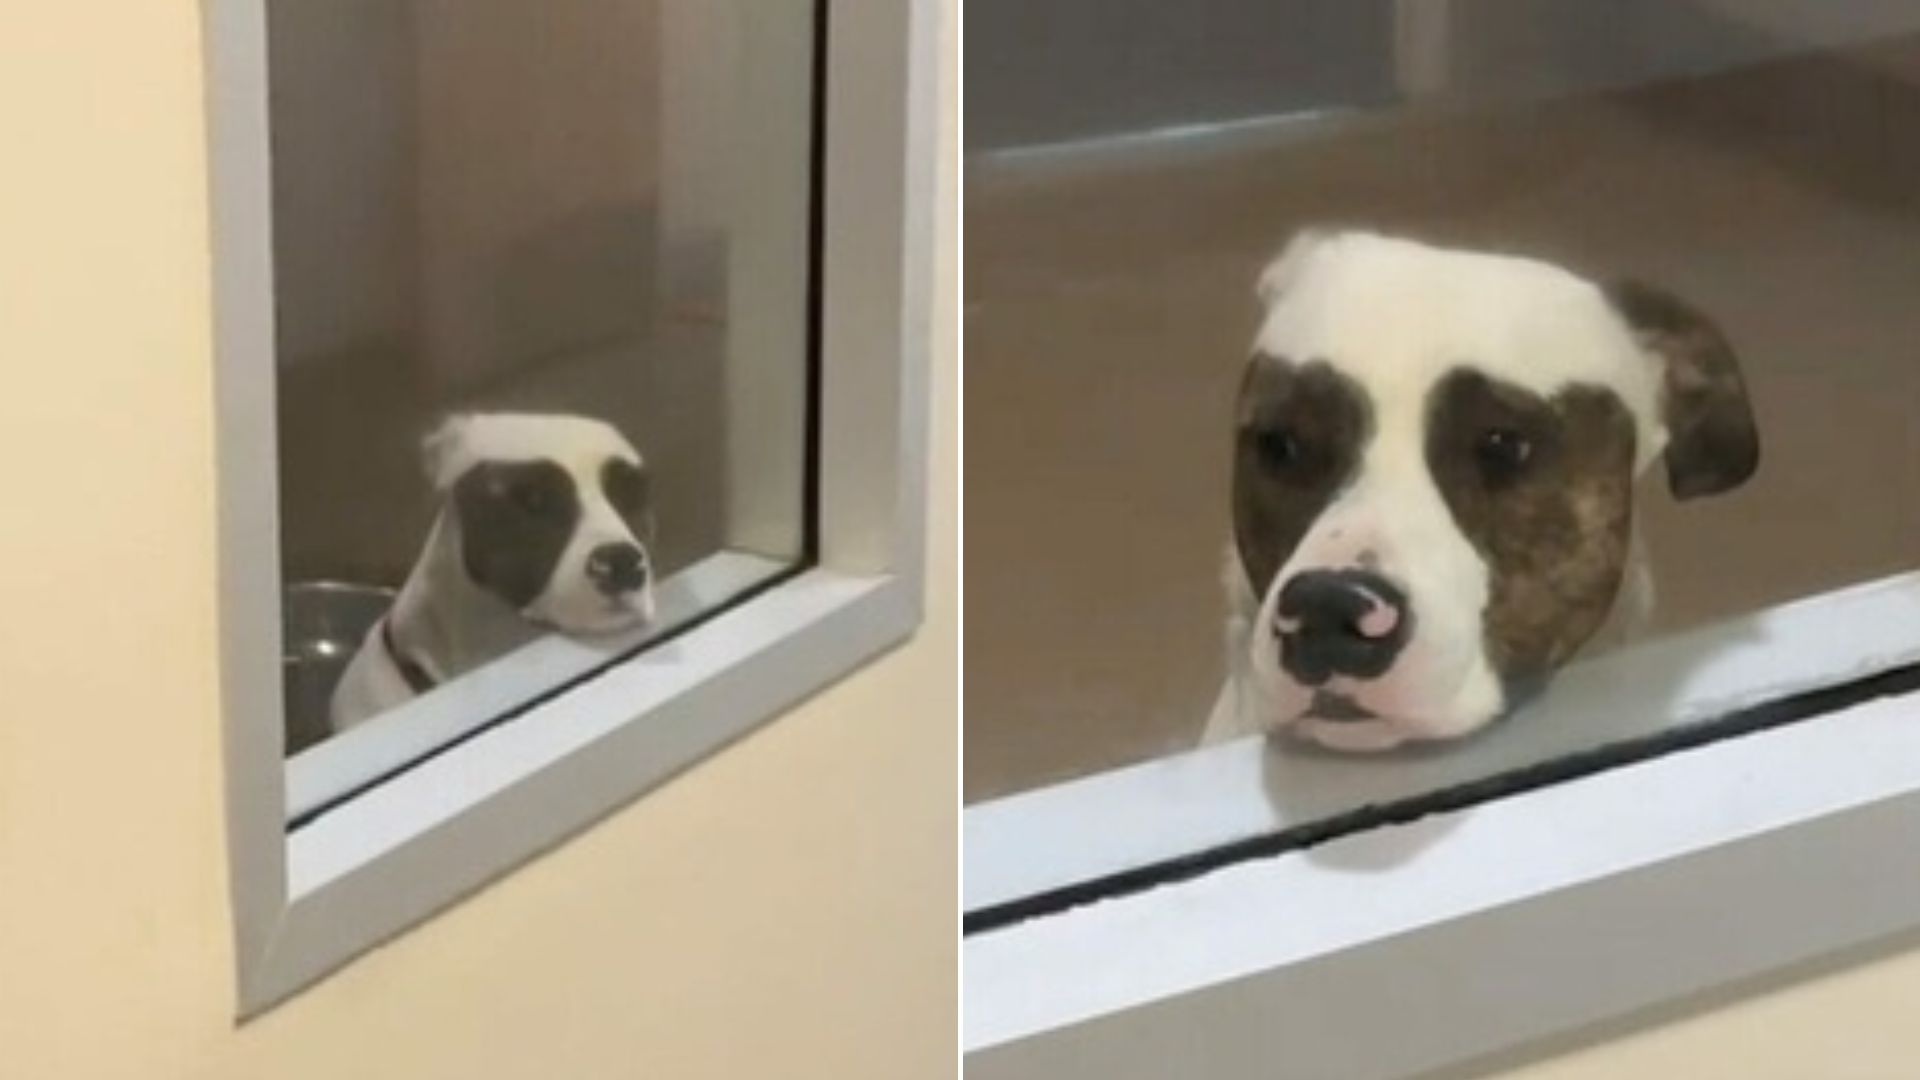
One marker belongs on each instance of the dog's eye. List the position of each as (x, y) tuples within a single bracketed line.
[(532, 498), (1503, 454), (626, 486), (1279, 448)]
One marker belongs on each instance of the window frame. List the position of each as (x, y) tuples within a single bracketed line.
[(1377, 954), (1380, 953), (306, 901)]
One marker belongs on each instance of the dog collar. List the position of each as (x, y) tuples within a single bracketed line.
[(418, 680)]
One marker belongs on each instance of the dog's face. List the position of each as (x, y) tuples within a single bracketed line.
[(552, 514), (1435, 457)]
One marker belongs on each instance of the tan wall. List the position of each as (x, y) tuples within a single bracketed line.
[(1852, 1021), (784, 910)]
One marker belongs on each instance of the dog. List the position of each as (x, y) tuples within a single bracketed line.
[(545, 523), (1434, 463)]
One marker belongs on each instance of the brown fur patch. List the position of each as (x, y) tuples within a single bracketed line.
[(1554, 531), (1714, 443), (1298, 434)]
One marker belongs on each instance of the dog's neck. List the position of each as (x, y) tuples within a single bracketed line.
[(445, 623), (1632, 610), (1239, 710)]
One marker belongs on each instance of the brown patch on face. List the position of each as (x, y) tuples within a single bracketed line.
[(628, 487), (1298, 433), (1543, 489), (516, 518), (1714, 444)]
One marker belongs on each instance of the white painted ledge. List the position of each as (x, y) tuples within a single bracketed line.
[(1055, 836), (361, 755), (1416, 947), (398, 851)]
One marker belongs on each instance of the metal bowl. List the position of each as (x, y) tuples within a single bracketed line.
[(322, 624)]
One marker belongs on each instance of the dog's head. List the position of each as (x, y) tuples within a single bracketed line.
[(550, 513), (1434, 464)]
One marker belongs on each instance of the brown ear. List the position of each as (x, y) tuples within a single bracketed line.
[(1713, 444)]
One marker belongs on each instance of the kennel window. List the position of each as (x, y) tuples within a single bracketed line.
[(569, 365), (491, 225), (1125, 189)]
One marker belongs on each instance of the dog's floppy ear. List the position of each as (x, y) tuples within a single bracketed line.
[(1286, 267), (1713, 444), (443, 452)]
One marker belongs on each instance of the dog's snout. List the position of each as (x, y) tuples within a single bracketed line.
[(1340, 622), (617, 568)]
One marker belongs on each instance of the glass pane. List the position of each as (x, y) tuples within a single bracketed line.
[(541, 277), (1130, 176)]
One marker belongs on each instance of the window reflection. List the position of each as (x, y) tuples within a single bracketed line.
[(560, 251), (1114, 242)]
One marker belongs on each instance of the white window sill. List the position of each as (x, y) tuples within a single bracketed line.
[(334, 769), (1415, 947), (401, 849), (351, 875), (1112, 822), (1411, 947)]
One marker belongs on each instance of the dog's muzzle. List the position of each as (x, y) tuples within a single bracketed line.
[(1350, 623), (617, 569)]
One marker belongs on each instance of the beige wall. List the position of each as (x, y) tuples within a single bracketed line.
[(784, 910), (1853, 1020)]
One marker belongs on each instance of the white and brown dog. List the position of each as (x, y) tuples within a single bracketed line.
[(545, 523), (1434, 466)]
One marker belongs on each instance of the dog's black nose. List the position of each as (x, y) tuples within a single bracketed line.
[(1340, 622), (617, 568)]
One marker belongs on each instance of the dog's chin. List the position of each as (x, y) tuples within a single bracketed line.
[(606, 617), (1374, 734), (1336, 722), (1349, 736), (1333, 719), (1423, 702)]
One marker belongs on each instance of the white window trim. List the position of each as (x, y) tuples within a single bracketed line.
[(332, 769), (1413, 947), (1111, 822), (1423, 946), (308, 901), (1690, 872)]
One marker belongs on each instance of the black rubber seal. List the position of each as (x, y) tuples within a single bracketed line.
[(1778, 713)]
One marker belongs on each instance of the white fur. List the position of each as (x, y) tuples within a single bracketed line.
[(449, 625), (1395, 316)]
